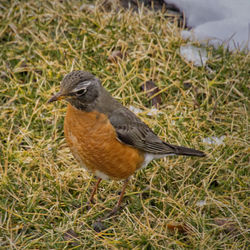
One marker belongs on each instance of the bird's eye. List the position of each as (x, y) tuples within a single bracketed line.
[(81, 92)]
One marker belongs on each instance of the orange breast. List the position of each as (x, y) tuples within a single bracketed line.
[(92, 140)]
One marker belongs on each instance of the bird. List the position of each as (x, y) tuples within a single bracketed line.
[(105, 137)]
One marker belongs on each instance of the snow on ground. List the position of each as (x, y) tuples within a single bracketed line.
[(214, 140), (152, 111), (193, 54), (218, 22)]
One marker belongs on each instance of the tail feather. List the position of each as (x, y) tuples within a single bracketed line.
[(179, 150), (189, 151)]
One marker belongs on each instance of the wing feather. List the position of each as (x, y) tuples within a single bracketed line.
[(132, 131)]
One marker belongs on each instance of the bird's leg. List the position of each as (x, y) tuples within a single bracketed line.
[(118, 205), (98, 225), (91, 200)]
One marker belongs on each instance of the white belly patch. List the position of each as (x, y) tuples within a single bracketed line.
[(149, 157), (101, 175)]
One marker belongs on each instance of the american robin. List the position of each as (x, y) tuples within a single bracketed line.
[(105, 137)]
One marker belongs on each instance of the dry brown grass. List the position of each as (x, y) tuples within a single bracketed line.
[(42, 186)]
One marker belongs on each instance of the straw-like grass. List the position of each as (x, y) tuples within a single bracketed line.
[(42, 186)]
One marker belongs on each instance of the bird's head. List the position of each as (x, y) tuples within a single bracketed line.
[(80, 88)]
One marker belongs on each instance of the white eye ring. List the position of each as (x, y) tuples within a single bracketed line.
[(80, 92)]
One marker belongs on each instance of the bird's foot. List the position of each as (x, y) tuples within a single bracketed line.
[(98, 225)]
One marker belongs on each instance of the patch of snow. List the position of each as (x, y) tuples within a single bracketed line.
[(214, 140), (201, 203), (152, 112), (194, 54), (135, 110), (217, 22)]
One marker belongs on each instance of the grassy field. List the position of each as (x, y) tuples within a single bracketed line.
[(175, 203)]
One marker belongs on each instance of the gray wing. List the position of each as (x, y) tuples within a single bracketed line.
[(132, 131)]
